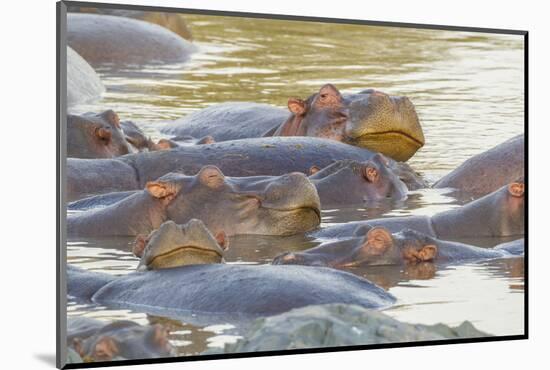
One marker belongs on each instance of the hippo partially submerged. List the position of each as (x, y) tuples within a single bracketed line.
[(217, 289), (96, 136), (369, 119), (380, 247), (98, 341), (345, 182), (501, 213), (282, 205), (488, 171), (251, 157), (106, 39), (83, 83)]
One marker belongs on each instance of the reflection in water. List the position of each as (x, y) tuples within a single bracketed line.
[(467, 88)]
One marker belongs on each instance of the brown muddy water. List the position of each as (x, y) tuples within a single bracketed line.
[(467, 88)]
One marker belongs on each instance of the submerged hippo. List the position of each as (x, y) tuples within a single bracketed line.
[(83, 83), (249, 157), (369, 119), (173, 245), (173, 21), (501, 213), (98, 341), (106, 39), (96, 136), (211, 289), (380, 247), (345, 182), (488, 171), (282, 205)]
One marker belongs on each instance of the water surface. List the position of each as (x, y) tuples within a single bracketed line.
[(468, 91)]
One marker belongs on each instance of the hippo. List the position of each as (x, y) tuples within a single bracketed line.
[(106, 39), (173, 245), (83, 83), (488, 171), (173, 21), (96, 136), (380, 247), (214, 288), (369, 119), (98, 341), (248, 157), (282, 205), (369, 181), (498, 214)]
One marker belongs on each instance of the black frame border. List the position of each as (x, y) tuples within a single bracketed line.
[(61, 311)]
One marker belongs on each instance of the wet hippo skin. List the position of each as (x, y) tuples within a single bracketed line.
[(212, 289), (248, 157), (282, 205), (500, 213), (380, 247), (363, 182), (370, 119), (488, 171)]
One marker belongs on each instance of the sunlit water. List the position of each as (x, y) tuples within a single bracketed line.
[(468, 91)]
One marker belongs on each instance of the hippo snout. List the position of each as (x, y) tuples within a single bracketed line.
[(292, 191)]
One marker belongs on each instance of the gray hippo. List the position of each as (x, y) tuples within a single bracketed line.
[(83, 83), (106, 39), (345, 182), (249, 157), (488, 171), (98, 341), (282, 205), (380, 247), (96, 136), (501, 213), (217, 289), (173, 21), (369, 119)]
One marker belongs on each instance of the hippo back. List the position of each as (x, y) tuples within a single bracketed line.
[(244, 289), (229, 121)]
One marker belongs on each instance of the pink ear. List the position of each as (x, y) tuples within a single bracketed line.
[(222, 240), (296, 106)]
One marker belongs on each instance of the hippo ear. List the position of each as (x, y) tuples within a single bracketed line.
[(378, 241), (111, 117), (164, 144), (297, 106), (424, 254), (427, 253), (516, 189), (371, 173), (162, 189), (329, 95), (103, 133), (206, 140), (222, 240), (313, 170), (139, 245), (105, 348)]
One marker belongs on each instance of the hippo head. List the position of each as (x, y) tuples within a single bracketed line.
[(122, 340), (371, 246), (96, 136), (281, 205), (174, 245), (370, 119), (358, 181)]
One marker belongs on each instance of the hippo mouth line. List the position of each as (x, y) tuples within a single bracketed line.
[(184, 248), (298, 209), (389, 132)]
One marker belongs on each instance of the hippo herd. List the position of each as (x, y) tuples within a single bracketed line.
[(246, 168)]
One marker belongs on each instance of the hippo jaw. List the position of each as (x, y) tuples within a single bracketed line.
[(385, 124)]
